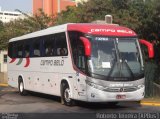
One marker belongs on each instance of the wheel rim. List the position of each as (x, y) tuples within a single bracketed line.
[(21, 87), (67, 95)]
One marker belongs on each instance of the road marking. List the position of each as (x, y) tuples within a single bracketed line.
[(150, 103), (1, 84)]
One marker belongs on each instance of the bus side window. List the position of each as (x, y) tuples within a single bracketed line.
[(11, 50), (49, 45), (48, 50), (36, 48), (19, 46), (26, 49), (61, 44)]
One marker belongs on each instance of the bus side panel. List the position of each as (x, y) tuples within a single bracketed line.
[(81, 86), (13, 73), (12, 79), (43, 74)]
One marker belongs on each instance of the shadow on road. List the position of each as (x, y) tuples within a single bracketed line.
[(109, 105), (45, 96), (98, 105), (93, 106)]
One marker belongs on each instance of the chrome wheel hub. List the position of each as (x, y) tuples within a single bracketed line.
[(21, 87), (67, 95)]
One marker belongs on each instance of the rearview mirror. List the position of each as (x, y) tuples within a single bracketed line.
[(149, 46), (87, 46)]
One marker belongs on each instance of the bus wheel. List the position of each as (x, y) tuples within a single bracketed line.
[(22, 91), (65, 98)]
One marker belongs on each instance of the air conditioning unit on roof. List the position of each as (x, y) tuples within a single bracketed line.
[(108, 19)]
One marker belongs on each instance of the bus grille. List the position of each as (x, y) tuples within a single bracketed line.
[(123, 89), (130, 89)]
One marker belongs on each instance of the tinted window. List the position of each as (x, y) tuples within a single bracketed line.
[(44, 46), (19, 47), (78, 50), (55, 45), (15, 49), (27, 49), (10, 50), (36, 48), (61, 44), (49, 47)]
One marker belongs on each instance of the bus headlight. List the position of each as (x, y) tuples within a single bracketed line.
[(140, 86), (95, 85)]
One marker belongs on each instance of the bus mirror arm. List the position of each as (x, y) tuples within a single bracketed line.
[(87, 46), (149, 46)]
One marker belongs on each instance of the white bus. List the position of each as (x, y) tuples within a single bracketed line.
[(87, 62)]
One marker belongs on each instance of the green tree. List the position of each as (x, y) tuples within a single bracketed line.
[(1, 26), (23, 26), (143, 17)]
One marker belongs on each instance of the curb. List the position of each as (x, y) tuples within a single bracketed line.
[(8, 90), (150, 103), (4, 85)]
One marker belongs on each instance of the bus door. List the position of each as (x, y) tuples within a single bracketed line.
[(80, 73)]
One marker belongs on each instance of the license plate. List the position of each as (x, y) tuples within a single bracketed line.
[(120, 96)]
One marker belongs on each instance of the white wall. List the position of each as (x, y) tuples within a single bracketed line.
[(3, 65)]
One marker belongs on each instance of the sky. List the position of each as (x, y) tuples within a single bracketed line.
[(11, 5)]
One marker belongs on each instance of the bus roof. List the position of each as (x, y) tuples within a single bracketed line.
[(88, 28), (51, 30), (101, 29)]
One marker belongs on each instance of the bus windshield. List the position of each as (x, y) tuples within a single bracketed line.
[(115, 58)]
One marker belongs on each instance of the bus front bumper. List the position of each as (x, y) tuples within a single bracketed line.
[(96, 95)]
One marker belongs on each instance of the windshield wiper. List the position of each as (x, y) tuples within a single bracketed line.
[(97, 74), (123, 61), (110, 72), (120, 68)]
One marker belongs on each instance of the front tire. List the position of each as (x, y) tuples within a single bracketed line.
[(22, 91), (66, 95)]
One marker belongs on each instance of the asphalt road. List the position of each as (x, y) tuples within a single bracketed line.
[(12, 102)]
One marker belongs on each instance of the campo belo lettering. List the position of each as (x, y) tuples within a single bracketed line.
[(103, 30), (112, 31), (124, 31), (52, 62)]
